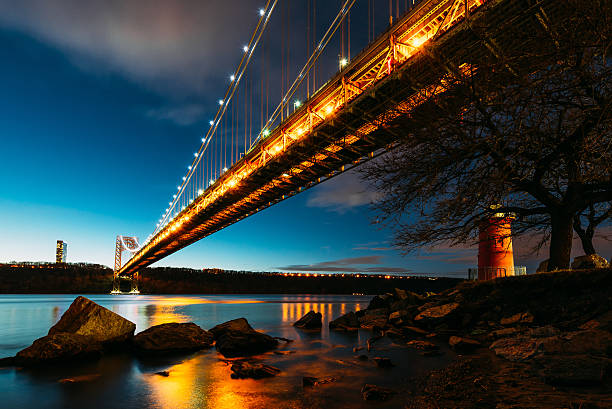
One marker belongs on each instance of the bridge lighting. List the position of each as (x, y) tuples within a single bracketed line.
[(170, 203), (329, 109), (203, 140), (221, 102), (195, 154), (224, 170), (343, 62), (200, 191), (300, 131), (266, 132), (245, 48), (262, 12), (211, 123), (232, 77), (285, 175), (212, 181), (174, 196), (184, 178), (418, 41), (189, 167), (297, 103)]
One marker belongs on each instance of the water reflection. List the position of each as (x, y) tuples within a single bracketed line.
[(293, 311)]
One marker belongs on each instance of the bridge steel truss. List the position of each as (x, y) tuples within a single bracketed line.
[(350, 119)]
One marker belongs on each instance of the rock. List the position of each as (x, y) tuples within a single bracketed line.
[(504, 332), (362, 357), (422, 345), (399, 317), (400, 294), (603, 322), (373, 392), (312, 320), (81, 378), (357, 349), (520, 318), (383, 362), (461, 344), (243, 370), (572, 370), (589, 262), (8, 361), (546, 340), (414, 331), (60, 347), (237, 338), (312, 381), (437, 313), (380, 301), (172, 337), (431, 353), (542, 267), (163, 373), (284, 352), (374, 318), (346, 322), (85, 317)]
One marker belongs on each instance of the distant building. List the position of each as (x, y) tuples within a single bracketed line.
[(61, 251)]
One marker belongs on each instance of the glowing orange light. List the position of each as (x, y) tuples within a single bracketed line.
[(329, 109), (418, 41)]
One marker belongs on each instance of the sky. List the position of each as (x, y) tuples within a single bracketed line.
[(103, 104)]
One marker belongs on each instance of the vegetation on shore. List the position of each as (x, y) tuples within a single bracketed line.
[(94, 279)]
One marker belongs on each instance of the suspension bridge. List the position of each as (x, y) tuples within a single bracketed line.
[(340, 124)]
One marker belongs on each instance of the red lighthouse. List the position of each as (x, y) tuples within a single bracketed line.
[(495, 257)]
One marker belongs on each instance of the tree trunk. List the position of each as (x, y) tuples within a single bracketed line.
[(587, 244), (560, 241)]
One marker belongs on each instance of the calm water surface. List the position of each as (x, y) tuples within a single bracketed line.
[(202, 380)]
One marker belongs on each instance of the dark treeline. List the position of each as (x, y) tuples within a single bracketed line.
[(52, 278)]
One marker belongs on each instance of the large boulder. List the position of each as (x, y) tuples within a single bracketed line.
[(85, 317), (237, 338), (312, 320), (346, 322), (60, 347), (374, 318), (589, 261), (436, 314), (380, 301), (173, 337)]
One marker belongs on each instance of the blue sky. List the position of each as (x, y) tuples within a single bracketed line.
[(103, 104)]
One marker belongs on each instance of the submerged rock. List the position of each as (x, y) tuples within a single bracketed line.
[(243, 369), (520, 318), (60, 347), (573, 370), (374, 318), (422, 345), (346, 322), (461, 344), (173, 337), (85, 317), (312, 320), (373, 392), (312, 381), (237, 338), (383, 362)]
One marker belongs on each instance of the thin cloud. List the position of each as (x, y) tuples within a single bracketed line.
[(183, 115), (364, 264), (342, 194)]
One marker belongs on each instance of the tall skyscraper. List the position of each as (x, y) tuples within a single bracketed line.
[(61, 251)]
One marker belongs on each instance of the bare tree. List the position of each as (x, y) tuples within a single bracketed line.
[(594, 215), (525, 127)]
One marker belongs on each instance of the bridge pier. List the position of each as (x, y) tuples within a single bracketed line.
[(133, 284)]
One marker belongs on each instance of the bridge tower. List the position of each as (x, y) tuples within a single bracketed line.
[(130, 244)]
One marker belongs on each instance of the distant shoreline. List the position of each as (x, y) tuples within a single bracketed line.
[(96, 279)]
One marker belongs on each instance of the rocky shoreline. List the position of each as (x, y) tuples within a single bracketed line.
[(534, 341)]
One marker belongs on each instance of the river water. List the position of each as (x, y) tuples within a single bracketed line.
[(202, 379)]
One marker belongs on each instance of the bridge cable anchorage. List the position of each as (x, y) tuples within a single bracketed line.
[(238, 74)]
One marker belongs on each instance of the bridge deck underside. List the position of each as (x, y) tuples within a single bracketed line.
[(341, 142)]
